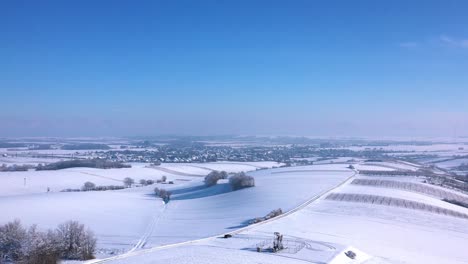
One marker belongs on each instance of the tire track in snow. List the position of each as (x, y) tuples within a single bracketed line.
[(149, 230)]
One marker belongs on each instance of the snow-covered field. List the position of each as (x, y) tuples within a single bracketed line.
[(136, 227), (324, 230), (448, 164), (122, 218), (36, 182)]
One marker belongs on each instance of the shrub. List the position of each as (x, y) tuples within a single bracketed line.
[(241, 180), (96, 188), (271, 214), (149, 182)]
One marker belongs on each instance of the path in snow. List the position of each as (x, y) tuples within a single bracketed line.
[(149, 229), (173, 172)]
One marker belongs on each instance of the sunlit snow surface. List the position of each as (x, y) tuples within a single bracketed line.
[(135, 224)]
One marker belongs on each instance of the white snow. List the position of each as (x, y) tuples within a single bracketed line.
[(134, 220)]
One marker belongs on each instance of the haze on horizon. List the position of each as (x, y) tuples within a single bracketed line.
[(336, 68)]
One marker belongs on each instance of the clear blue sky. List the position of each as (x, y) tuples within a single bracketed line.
[(327, 68)]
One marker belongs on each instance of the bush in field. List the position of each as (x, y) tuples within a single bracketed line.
[(163, 178), (87, 186), (241, 180), (12, 237), (213, 177), (75, 242), (149, 182), (96, 188), (146, 182), (108, 188), (128, 182), (271, 214)]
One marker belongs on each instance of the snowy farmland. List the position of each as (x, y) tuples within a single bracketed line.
[(329, 211), (324, 229), (132, 218)]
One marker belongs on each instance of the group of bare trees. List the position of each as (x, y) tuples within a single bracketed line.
[(162, 180), (163, 194), (241, 180), (128, 182), (144, 182), (90, 186), (70, 240), (213, 177), (237, 181)]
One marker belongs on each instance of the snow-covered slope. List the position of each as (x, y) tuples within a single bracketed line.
[(326, 229)]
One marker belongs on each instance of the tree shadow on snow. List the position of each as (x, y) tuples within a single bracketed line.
[(200, 191)]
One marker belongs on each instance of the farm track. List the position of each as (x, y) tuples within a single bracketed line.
[(100, 176), (173, 172), (298, 208)]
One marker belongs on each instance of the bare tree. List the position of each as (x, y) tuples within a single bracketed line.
[(40, 247), (75, 242), (12, 237), (88, 186), (128, 182)]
